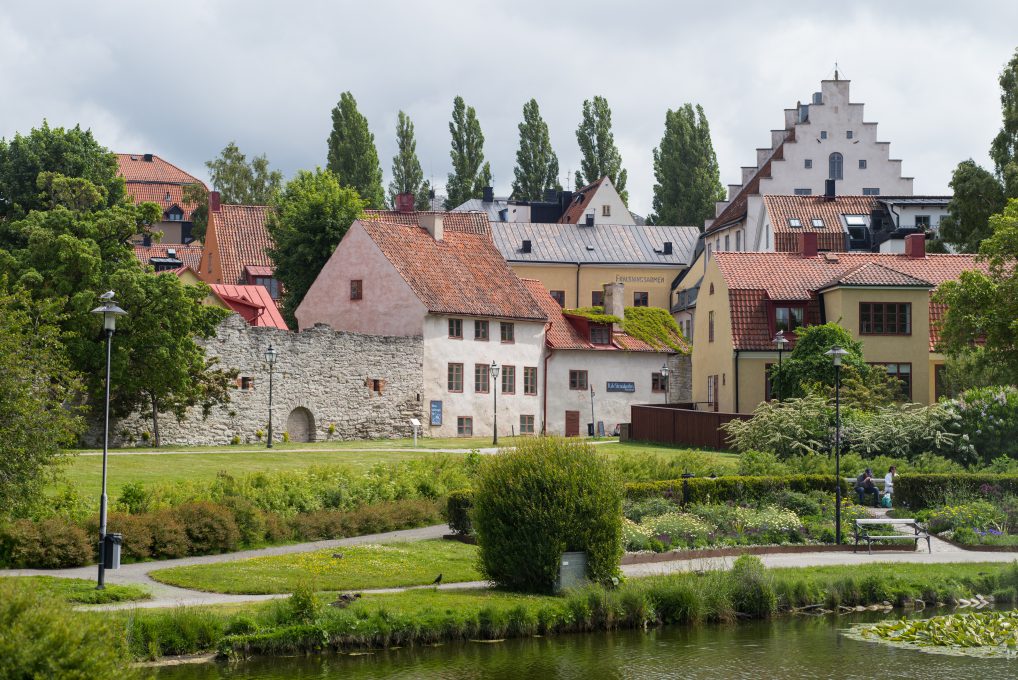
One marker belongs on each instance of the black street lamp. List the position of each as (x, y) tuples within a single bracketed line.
[(593, 423), (836, 353), (270, 359), (780, 340), (493, 370), (664, 378), (110, 311)]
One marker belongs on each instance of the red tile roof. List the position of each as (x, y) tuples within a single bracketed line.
[(562, 333), (754, 279), (189, 255), (780, 209), (252, 302), (461, 274), (736, 208), (153, 180), (578, 206), (242, 239), (472, 222)]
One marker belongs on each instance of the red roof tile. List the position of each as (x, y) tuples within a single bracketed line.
[(754, 279), (578, 205), (189, 255), (831, 236), (472, 222), (242, 239), (461, 274), (156, 181), (252, 302)]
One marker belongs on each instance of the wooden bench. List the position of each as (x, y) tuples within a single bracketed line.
[(918, 532)]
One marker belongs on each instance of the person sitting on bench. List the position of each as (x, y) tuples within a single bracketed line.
[(864, 485)]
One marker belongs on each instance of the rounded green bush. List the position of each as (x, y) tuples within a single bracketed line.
[(543, 498)]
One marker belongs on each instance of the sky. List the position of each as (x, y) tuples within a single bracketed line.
[(181, 79)]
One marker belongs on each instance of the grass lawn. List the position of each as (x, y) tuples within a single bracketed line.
[(361, 567), (80, 591), (464, 443), (725, 461)]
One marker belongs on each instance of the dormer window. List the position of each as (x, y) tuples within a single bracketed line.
[(794, 222), (600, 334), (817, 223), (855, 220), (788, 317)]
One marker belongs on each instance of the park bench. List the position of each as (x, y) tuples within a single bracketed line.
[(862, 532)]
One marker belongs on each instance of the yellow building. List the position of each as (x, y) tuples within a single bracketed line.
[(882, 299), (575, 261)]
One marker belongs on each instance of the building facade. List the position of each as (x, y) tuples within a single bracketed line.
[(151, 179)]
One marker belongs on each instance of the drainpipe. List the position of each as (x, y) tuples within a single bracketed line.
[(737, 380), (544, 408)]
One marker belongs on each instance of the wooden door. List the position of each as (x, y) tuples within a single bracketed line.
[(572, 423)]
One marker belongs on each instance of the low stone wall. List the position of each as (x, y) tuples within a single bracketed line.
[(363, 386), (680, 379)]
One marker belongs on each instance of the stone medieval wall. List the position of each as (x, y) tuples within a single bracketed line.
[(680, 378), (364, 386)]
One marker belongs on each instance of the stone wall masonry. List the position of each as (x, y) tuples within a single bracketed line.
[(680, 378), (322, 377)]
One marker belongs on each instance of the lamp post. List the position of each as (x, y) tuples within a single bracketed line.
[(780, 340), (270, 359), (110, 311), (493, 370), (664, 378), (836, 353)]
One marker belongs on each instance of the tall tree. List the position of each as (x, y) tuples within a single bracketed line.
[(312, 214), (470, 173), (977, 195), (1004, 150), (597, 144), (407, 175), (72, 153), (686, 170), (240, 182), (352, 156), (536, 162)]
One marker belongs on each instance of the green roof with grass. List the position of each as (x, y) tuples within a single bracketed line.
[(652, 325)]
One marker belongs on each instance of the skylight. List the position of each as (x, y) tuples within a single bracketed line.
[(855, 220), (794, 222), (818, 223)]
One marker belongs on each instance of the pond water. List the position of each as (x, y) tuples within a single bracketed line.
[(787, 648)]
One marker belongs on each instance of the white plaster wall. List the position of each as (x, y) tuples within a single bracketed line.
[(909, 213), (606, 194), (440, 350), (601, 366)]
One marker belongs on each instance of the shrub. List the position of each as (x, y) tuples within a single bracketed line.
[(369, 519), (249, 518), (646, 467), (681, 528), (52, 543), (648, 507), (752, 588), (539, 500), (635, 536), (169, 538), (457, 512), (303, 604), (134, 498), (902, 430), (734, 488), (43, 639), (210, 528), (136, 532), (919, 491), (976, 516), (785, 428), (986, 420), (760, 463)]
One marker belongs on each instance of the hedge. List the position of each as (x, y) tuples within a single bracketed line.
[(733, 488), (917, 492), (457, 511)]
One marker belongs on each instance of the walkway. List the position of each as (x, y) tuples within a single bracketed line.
[(403, 449)]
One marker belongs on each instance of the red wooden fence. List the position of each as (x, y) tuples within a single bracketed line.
[(678, 424)]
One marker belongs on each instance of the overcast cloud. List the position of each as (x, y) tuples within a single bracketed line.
[(181, 79)]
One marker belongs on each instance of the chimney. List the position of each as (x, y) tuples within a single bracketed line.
[(405, 202), (915, 246), (433, 223), (147, 157), (171, 253), (550, 195), (615, 302), (590, 219), (488, 194), (527, 246), (667, 250), (807, 244), (214, 201), (829, 193)]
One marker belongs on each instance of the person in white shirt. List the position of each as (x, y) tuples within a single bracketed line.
[(889, 480)]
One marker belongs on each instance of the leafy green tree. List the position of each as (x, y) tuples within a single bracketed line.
[(470, 173), (977, 195), (686, 169), (38, 390), (312, 214), (536, 162), (240, 182), (407, 175), (1004, 149), (199, 197), (982, 306), (71, 153), (352, 154), (597, 144)]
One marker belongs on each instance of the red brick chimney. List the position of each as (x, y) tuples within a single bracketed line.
[(214, 201), (808, 244), (915, 246), (404, 203)]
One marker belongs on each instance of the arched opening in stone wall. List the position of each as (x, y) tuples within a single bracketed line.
[(300, 424)]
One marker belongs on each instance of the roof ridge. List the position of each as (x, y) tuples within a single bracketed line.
[(164, 161)]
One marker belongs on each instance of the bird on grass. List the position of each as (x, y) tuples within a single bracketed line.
[(437, 581)]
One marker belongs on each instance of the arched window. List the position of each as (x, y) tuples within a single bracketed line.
[(836, 166)]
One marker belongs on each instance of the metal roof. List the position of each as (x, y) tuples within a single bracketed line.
[(493, 208), (601, 243), (914, 200)]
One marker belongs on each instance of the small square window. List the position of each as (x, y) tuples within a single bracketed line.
[(464, 426), (577, 380), (642, 298), (356, 289), (597, 298), (456, 329), (481, 329), (862, 163), (817, 223), (606, 210), (600, 334), (508, 332), (808, 163), (848, 134), (559, 296), (823, 134), (803, 192), (657, 382), (794, 222), (526, 424), (246, 383)]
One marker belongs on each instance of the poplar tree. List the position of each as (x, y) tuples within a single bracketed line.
[(1004, 150), (536, 162), (352, 156), (688, 180), (597, 144), (470, 173), (407, 175)]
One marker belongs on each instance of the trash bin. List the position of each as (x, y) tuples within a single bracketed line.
[(111, 551), (624, 431), (572, 571)]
